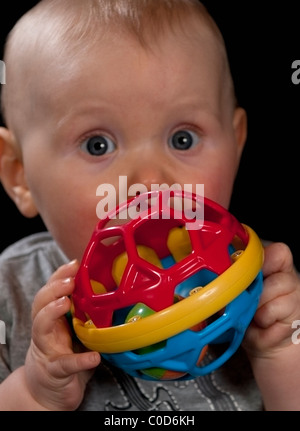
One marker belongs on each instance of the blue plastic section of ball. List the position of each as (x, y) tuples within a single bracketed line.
[(181, 352)]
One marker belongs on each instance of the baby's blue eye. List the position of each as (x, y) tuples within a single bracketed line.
[(183, 140), (98, 145)]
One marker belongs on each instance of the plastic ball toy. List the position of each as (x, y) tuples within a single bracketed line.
[(162, 283)]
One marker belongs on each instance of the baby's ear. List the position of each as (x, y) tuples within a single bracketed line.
[(12, 174), (240, 128)]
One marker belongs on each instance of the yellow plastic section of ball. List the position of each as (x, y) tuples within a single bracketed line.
[(179, 243), (149, 255), (120, 262), (98, 288), (182, 315)]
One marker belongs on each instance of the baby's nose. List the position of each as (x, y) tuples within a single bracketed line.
[(152, 173)]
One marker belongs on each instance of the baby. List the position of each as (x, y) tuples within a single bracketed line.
[(102, 89)]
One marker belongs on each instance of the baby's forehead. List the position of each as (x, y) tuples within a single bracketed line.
[(61, 43), (53, 28)]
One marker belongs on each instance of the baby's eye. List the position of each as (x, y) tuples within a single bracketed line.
[(98, 145), (183, 140)]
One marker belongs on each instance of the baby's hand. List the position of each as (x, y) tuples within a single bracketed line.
[(56, 376), (271, 329), (268, 341)]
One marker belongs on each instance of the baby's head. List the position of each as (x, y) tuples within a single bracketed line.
[(102, 89), (54, 37)]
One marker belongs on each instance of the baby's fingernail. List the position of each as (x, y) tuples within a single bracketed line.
[(67, 280), (61, 301), (94, 357), (73, 262)]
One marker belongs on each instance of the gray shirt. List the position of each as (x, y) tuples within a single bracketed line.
[(26, 266)]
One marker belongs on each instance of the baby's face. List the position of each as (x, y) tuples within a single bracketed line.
[(157, 116)]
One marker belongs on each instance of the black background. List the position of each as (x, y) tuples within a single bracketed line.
[(262, 41)]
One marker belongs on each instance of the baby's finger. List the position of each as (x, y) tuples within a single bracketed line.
[(49, 330), (281, 309), (74, 363), (278, 258), (277, 285), (61, 283), (68, 270)]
